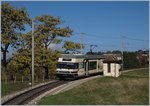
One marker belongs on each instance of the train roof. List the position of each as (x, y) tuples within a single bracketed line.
[(94, 57), (82, 56)]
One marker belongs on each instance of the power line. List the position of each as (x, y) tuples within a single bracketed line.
[(94, 35), (98, 44), (135, 39), (114, 45), (103, 45), (105, 37)]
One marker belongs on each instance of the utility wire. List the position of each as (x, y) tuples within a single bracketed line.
[(105, 37), (135, 39), (103, 45)]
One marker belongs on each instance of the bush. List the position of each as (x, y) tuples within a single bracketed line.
[(130, 60)]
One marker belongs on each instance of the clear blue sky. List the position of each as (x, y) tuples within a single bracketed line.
[(102, 22)]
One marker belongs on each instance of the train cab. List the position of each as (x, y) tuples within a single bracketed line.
[(77, 65)]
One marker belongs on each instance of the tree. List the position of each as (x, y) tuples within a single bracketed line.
[(72, 47), (47, 30), (14, 70), (44, 56), (142, 57), (130, 60), (116, 52), (108, 52), (25, 72), (13, 21)]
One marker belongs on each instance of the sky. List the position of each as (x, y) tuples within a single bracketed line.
[(103, 23)]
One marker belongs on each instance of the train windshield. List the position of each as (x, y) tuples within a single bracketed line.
[(64, 65)]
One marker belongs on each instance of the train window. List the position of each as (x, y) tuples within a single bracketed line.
[(80, 65), (66, 65), (67, 59), (92, 65)]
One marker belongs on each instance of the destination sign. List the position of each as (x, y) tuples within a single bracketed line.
[(67, 59)]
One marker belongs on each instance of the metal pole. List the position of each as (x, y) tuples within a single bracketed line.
[(81, 42), (122, 52), (91, 48), (32, 52)]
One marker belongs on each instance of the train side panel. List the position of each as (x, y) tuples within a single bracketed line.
[(95, 66)]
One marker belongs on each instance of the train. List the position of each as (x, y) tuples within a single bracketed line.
[(72, 66)]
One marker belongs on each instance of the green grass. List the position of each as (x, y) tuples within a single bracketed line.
[(130, 88), (11, 87)]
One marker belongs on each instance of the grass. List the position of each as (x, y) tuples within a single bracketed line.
[(130, 88), (11, 87)]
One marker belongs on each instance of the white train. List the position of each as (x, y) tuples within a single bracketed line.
[(77, 65)]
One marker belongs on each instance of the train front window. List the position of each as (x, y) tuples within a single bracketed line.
[(67, 65)]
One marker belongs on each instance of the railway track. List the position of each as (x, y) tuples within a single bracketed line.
[(27, 96)]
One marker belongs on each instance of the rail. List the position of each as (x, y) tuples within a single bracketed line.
[(27, 96)]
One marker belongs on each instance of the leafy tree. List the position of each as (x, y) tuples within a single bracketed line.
[(21, 62), (46, 58), (43, 58), (25, 72), (116, 51), (14, 70), (108, 52), (47, 30), (130, 60), (142, 57), (72, 47), (13, 21)]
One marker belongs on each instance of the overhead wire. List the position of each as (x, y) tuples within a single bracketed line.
[(119, 37), (104, 37)]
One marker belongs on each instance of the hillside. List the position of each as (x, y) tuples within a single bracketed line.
[(129, 89)]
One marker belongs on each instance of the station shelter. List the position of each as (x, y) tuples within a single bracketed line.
[(111, 66)]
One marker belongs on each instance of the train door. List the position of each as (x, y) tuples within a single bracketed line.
[(86, 68), (109, 68)]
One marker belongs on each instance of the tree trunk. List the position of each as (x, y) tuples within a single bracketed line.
[(49, 77), (36, 78), (5, 75), (22, 79), (14, 78), (29, 77), (4, 59), (43, 78), (46, 72), (4, 62), (4, 55), (5, 79)]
